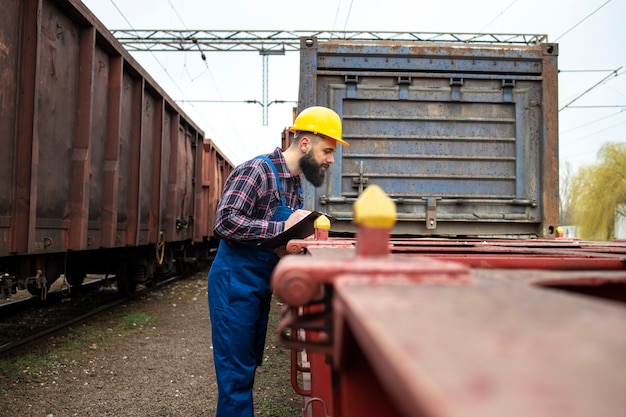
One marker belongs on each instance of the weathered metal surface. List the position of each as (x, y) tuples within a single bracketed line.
[(296, 279), (509, 344), (98, 155), (546, 254), (461, 125), (215, 170), (402, 341), (495, 348), (94, 117)]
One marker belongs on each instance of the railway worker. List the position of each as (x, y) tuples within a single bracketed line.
[(261, 198)]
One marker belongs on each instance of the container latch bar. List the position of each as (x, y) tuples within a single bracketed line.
[(431, 213)]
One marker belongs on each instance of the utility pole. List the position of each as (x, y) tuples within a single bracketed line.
[(265, 99)]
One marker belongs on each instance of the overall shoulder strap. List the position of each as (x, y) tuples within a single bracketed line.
[(281, 193)]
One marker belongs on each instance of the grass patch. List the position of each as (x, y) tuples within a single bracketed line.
[(136, 319), (12, 369)]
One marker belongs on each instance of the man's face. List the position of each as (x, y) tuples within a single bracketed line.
[(317, 160)]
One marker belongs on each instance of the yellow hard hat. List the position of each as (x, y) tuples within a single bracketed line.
[(320, 121)]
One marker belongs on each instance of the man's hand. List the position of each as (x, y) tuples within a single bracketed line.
[(295, 217)]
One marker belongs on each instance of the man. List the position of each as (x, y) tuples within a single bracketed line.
[(261, 199)]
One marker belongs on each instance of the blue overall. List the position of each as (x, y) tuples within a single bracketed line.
[(239, 304)]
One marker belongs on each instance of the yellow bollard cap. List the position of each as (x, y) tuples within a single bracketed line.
[(375, 209), (322, 222)]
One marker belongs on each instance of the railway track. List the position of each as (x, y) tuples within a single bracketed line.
[(24, 321)]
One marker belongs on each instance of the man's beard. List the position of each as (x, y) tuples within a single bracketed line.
[(311, 170)]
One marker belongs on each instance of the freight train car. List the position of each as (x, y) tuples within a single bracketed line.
[(462, 300), (462, 136), (101, 172), (447, 327)]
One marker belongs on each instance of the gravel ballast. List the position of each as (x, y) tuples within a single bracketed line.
[(149, 357)]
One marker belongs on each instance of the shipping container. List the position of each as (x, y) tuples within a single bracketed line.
[(462, 136)]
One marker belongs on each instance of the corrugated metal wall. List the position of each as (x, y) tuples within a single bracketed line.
[(461, 137)]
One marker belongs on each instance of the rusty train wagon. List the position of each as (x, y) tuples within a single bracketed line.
[(101, 172)]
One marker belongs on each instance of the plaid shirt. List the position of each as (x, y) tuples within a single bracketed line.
[(250, 198)]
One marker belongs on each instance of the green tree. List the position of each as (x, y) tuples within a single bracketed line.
[(596, 192), (565, 196)]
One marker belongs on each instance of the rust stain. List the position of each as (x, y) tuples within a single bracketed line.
[(4, 49)]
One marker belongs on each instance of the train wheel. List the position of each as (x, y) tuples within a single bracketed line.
[(137, 272), (150, 273), (38, 285), (36, 290), (126, 283), (75, 280)]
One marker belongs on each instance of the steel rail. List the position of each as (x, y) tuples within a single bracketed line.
[(7, 347)]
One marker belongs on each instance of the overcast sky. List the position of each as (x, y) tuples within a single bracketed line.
[(590, 33)]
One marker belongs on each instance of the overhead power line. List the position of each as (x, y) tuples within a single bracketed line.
[(587, 70), (592, 122), (496, 18), (608, 106), (176, 13), (614, 73), (595, 133), (587, 17), (165, 69), (348, 15)]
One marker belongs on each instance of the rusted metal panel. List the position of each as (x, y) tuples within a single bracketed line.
[(156, 203), (467, 127), (20, 36), (182, 162), (56, 125), (508, 343), (81, 146), (544, 254), (88, 134), (75, 180), (172, 195), (550, 156), (184, 184), (494, 348), (204, 222), (216, 168), (134, 162), (197, 224), (166, 147), (295, 280), (152, 116), (97, 148), (456, 327)]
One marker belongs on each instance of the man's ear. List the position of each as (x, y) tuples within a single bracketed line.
[(305, 144)]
